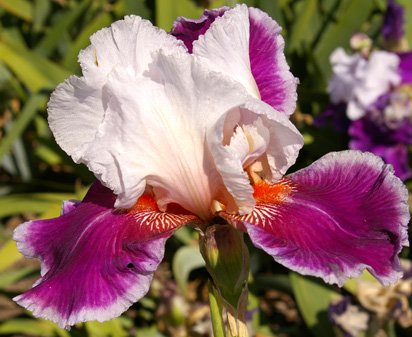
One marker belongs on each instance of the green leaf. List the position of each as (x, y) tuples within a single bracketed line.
[(9, 255), (167, 11), (35, 71), (32, 327), (112, 328), (136, 7), (54, 33), (313, 298), (149, 332), (8, 278), (48, 155), (21, 122), (31, 202), (21, 8), (407, 4), (186, 259), (24, 68), (41, 10), (349, 18), (306, 18)]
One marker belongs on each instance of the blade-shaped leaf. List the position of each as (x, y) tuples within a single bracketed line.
[(313, 298), (9, 255), (186, 259), (21, 122), (21, 8)]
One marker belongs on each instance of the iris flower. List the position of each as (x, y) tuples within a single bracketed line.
[(195, 137)]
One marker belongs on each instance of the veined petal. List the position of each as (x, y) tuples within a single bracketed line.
[(96, 261), (77, 106), (344, 213), (245, 43)]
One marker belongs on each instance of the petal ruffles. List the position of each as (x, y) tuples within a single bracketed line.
[(345, 212), (96, 262), (245, 44)]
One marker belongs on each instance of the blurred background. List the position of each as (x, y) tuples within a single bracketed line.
[(39, 44)]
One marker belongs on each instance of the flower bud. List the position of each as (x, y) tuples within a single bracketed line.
[(227, 260)]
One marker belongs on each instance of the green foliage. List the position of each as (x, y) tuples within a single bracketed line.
[(313, 299), (186, 259)]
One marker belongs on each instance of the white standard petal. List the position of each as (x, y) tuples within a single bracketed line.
[(225, 46), (154, 133), (77, 106), (126, 43)]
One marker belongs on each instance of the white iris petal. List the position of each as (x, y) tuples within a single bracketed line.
[(147, 113), (249, 142)]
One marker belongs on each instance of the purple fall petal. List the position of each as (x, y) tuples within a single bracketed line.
[(96, 261), (345, 212)]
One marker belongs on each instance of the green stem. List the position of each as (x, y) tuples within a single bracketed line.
[(216, 312)]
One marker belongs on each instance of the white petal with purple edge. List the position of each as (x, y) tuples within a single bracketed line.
[(245, 44), (225, 46)]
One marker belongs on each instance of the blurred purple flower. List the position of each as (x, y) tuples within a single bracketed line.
[(383, 136), (392, 28), (371, 98)]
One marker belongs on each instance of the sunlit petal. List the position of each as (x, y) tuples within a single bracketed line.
[(344, 213), (96, 262)]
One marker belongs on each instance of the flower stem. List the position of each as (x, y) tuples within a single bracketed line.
[(216, 312), (227, 261)]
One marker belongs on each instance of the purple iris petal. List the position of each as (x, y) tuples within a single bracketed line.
[(345, 212), (392, 28), (405, 67), (95, 261), (189, 30)]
